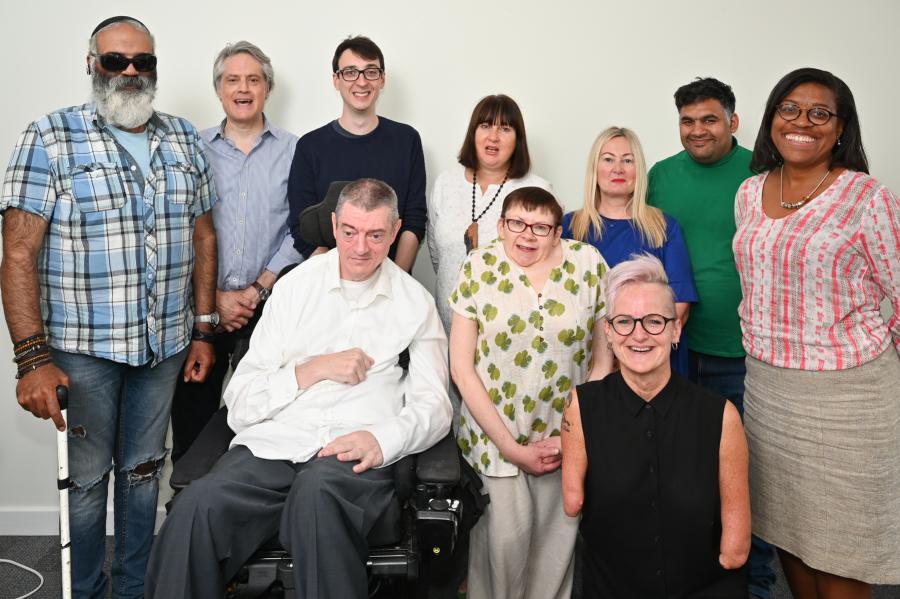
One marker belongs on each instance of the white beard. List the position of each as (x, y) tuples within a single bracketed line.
[(121, 105)]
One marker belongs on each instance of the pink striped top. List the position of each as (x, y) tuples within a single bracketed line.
[(812, 282)]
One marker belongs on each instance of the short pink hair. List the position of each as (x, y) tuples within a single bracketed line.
[(640, 268)]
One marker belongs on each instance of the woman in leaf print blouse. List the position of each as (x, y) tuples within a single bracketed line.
[(525, 331)]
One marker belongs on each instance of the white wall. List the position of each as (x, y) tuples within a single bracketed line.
[(574, 67)]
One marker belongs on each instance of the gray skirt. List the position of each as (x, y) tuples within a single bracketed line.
[(825, 465)]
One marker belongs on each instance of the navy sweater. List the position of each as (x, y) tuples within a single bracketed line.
[(391, 153)]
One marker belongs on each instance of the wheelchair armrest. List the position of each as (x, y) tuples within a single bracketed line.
[(211, 443), (440, 463)]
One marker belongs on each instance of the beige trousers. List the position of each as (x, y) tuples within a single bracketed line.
[(523, 545)]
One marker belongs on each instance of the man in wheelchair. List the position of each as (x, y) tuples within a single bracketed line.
[(322, 410)]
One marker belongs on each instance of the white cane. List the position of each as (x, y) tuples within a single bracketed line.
[(62, 483)]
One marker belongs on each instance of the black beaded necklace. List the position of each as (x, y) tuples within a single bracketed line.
[(475, 219), (471, 235)]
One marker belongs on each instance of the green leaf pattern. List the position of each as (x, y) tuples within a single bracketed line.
[(539, 346)]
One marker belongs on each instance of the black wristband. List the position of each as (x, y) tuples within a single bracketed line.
[(198, 335)]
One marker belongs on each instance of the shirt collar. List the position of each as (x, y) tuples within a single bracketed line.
[(661, 403), (218, 133), (382, 284)]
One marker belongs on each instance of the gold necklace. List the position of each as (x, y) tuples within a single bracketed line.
[(804, 199)]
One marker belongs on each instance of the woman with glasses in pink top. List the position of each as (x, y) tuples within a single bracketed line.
[(818, 251)]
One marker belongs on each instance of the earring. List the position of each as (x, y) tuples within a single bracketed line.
[(609, 345), (675, 346), (839, 142)]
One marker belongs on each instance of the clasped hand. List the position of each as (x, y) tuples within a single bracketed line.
[(539, 457), (236, 307)]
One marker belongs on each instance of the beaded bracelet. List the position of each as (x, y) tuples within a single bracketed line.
[(25, 369), (30, 352), (25, 345)]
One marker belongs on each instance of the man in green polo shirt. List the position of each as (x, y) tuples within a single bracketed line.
[(697, 187)]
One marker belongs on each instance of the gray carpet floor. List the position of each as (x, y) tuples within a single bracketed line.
[(42, 554)]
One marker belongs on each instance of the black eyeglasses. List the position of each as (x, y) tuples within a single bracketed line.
[(518, 226), (654, 324), (115, 62), (816, 115), (352, 74)]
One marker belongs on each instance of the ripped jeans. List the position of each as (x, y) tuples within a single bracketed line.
[(118, 417)]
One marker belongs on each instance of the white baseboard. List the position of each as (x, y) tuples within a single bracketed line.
[(44, 521)]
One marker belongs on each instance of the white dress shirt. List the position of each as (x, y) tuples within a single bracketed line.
[(309, 315)]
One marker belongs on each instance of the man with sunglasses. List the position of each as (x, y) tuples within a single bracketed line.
[(697, 187), (108, 240), (358, 144)]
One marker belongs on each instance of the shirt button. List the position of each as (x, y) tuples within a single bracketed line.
[(652, 470), (243, 194), (659, 572), (646, 406), (542, 328), (653, 504), (133, 168), (238, 252), (656, 539), (649, 434)]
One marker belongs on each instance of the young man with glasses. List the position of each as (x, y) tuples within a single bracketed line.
[(358, 144), (697, 187), (107, 238)]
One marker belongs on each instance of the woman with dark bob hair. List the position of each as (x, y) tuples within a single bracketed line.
[(818, 250), (465, 202)]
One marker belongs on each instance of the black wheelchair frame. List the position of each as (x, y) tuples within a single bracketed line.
[(417, 549)]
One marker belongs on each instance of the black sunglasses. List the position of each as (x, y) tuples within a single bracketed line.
[(115, 62)]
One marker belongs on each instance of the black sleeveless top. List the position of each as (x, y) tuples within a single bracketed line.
[(651, 520)]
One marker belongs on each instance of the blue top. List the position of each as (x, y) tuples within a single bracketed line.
[(116, 263), (392, 152), (621, 239), (251, 216), (136, 144)]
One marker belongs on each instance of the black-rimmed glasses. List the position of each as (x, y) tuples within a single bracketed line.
[(654, 324), (115, 62), (816, 115), (352, 74), (518, 226)]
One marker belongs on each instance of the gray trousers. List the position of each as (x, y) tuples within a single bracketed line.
[(321, 510)]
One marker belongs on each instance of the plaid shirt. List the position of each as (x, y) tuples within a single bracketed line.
[(116, 264)]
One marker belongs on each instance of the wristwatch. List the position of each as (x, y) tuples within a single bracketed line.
[(211, 318), (263, 292)]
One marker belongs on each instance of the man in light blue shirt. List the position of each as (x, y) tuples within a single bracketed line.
[(250, 161)]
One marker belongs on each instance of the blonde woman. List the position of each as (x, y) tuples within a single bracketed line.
[(617, 220)]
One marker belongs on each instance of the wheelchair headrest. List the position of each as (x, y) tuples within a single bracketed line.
[(315, 221)]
